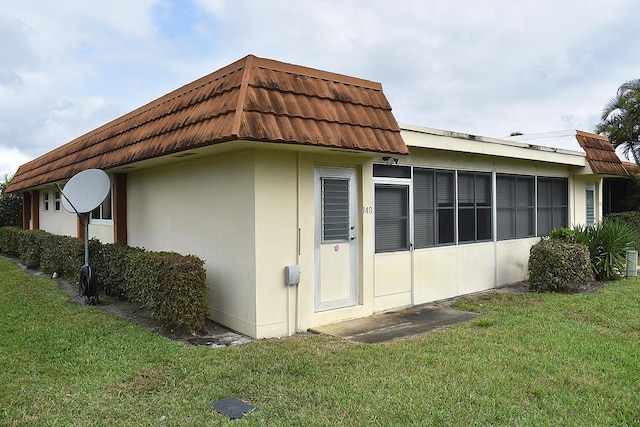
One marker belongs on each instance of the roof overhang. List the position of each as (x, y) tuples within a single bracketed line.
[(437, 139)]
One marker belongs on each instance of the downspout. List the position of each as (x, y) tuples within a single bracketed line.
[(298, 249), (494, 225), (299, 243)]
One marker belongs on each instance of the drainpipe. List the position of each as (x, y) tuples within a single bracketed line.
[(298, 250), (494, 226)]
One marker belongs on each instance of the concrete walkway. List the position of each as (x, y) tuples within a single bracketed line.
[(409, 322), (394, 325)]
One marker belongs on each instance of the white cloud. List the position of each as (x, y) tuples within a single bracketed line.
[(485, 68), (10, 160)]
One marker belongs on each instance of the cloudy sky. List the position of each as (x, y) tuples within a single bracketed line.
[(487, 67)]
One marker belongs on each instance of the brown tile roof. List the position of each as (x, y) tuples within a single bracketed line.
[(631, 168), (252, 99), (600, 154)]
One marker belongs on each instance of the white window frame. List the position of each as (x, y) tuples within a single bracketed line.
[(46, 201), (57, 202), (590, 194), (101, 221)]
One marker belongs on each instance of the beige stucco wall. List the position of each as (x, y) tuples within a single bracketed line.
[(276, 235), (453, 270), (513, 260), (579, 188), (57, 222), (203, 206), (249, 214), (102, 232), (66, 224)]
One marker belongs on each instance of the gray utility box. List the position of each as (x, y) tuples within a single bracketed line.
[(632, 263), (292, 275)]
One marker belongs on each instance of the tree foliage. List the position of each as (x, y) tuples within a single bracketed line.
[(10, 206), (620, 120)]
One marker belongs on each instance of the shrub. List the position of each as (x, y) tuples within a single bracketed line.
[(183, 291), (632, 219), (564, 234), (113, 267), (10, 207), (30, 246), (9, 241), (559, 266), (171, 285), (608, 243), (50, 259)]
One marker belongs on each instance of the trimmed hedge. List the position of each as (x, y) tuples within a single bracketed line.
[(171, 285), (558, 266)]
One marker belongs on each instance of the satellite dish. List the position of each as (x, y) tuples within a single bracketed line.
[(85, 191)]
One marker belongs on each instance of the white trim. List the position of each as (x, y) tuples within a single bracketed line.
[(590, 187)]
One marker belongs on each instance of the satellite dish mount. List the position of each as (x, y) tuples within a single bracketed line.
[(84, 192)]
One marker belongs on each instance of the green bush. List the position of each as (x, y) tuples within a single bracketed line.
[(559, 266), (30, 246), (171, 285), (183, 291), (564, 234), (10, 207), (113, 267), (608, 243), (9, 241), (632, 219), (50, 259)]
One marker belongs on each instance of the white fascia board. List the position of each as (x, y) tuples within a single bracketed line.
[(415, 136)]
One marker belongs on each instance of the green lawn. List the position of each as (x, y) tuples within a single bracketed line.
[(529, 360)]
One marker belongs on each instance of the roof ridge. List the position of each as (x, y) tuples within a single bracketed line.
[(289, 68), (242, 94)]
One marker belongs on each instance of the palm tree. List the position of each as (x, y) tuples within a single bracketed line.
[(620, 120)]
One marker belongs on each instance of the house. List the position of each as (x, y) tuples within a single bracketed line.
[(263, 165)]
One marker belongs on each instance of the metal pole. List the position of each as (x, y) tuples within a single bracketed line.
[(86, 238)]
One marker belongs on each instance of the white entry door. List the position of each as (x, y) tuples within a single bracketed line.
[(336, 239)]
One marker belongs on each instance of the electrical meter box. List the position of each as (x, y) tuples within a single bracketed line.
[(292, 275)]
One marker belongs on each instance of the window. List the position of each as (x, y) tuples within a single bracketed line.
[(515, 203), (433, 207), (391, 217), (103, 212), (386, 171), (56, 201), (335, 209), (474, 207), (553, 204), (591, 203), (45, 202)]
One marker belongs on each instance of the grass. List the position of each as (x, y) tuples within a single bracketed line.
[(532, 359)]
